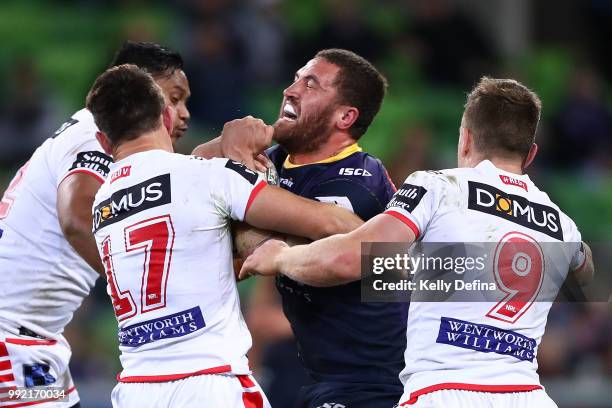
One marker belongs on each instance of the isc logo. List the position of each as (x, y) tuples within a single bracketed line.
[(350, 171)]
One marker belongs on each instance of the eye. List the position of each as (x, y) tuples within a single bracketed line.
[(310, 83)]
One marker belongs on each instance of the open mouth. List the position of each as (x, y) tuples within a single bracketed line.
[(289, 112)]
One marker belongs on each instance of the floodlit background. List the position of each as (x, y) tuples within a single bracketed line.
[(240, 55)]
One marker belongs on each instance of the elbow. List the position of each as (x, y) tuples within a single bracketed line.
[(75, 229)]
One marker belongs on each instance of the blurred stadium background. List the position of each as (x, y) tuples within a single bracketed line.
[(240, 54)]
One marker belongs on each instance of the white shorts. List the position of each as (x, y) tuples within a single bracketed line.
[(34, 372), (477, 399), (209, 390)]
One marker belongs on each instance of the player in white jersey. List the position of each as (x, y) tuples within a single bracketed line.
[(45, 241), (161, 222), (479, 353)]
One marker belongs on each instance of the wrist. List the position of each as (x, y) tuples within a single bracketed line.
[(280, 259)]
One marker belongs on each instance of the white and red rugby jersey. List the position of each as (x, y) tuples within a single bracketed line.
[(162, 225), (43, 280), (490, 343)]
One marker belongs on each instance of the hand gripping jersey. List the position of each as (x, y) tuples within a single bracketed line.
[(161, 222), (488, 345), (43, 279), (340, 338)]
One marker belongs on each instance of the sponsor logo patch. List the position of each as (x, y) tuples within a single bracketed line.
[(132, 200), (350, 171), (407, 197), (513, 182), (94, 160), (122, 172), (37, 375), (485, 339), (514, 208), (64, 126), (165, 327), (243, 170)]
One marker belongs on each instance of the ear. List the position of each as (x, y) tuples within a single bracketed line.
[(167, 119), (349, 115), (533, 151), (465, 141), (104, 142)]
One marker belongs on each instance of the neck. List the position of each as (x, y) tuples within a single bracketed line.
[(509, 165), (333, 146), (155, 140)]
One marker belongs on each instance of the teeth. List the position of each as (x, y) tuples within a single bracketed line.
[(289, 109)]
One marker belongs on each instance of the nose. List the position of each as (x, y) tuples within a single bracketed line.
[(291, 91), (183, 112)]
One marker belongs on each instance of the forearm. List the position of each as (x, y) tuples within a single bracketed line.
[(338, 221), (328, 262), (209, 149), (248, 238)]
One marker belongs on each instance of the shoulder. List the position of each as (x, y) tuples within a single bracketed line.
[(569, 228), (78, 129), (435, 178)]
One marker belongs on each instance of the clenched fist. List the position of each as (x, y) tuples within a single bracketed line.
[(244, 140)]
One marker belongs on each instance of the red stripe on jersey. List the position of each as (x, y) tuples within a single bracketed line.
[(254, 193), (3, 350), (173, 377), (5, 365), (469, 387), (252, 399), (85, 171), (30, 403), (7, 378), (406, 221), (245, 381), (24, 342), (4, 390)]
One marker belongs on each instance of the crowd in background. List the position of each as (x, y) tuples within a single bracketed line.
[(239, 55)]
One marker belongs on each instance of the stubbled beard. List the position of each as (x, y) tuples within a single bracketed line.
[(307, 134)]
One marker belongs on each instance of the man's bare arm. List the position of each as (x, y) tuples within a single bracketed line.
[(75, 196), (275, 209), (328, 262)]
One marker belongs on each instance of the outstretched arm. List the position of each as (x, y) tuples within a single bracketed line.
[(331, 261), (275, 209)]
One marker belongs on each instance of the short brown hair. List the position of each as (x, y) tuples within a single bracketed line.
[(359, 84), (503, 116), (125, 102)]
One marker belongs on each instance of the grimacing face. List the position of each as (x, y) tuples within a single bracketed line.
[(175, 87), (304, 122)]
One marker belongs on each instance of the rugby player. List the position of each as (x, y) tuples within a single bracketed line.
[(161, 223), (48, 255), (489, 198), (351, 350)]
